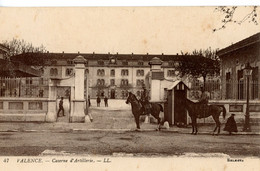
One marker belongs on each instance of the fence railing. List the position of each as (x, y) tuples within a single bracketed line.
[(24, 87), (225, 90)]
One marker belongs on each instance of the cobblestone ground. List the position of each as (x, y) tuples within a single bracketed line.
[(149, 143)]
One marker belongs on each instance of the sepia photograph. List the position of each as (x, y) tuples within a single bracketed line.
[(130, 88)]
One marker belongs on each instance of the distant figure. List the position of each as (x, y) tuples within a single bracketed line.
[(61, 107), (89, 103), (98, 101), (231, 125), (106, 101)]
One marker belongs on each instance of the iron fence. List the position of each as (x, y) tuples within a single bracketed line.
[(24, 87), (225, 90)]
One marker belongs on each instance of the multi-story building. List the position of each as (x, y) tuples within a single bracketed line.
[(111, 75)]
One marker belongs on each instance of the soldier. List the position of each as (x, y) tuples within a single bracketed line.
[(106, 101), (98, 101), (203, 101), (61, 107), (145, 101)]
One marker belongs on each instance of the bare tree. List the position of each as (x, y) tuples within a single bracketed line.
[(229, 16), (17, 47)]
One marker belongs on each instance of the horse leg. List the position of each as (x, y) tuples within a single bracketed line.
[(137, 122), (192, 123), (196, 127), (159, 122), (218, 127)]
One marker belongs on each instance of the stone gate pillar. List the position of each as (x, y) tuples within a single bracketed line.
[(78, 114), (156, 76), (52, 109)]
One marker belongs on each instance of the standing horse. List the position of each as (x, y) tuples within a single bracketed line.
[(138, 109), (196, 111)]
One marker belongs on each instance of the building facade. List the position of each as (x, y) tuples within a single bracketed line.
[(111, 75), (233, 61)]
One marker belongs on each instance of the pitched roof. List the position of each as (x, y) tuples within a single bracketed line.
[(241, 44), (93, 56)]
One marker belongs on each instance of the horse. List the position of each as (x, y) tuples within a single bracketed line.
[(138, 109), (195, 111)]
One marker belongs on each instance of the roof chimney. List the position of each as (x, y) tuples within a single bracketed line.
[(132, 53), (162, 53), (78, 52), (93, 53), (117, 53), (109, 53), (147, 53)]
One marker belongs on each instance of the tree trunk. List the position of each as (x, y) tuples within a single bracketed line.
[(204, 83)]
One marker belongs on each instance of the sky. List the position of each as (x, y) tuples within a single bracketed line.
[(125, 30)]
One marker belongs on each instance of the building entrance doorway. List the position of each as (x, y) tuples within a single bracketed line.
[(112, 94)]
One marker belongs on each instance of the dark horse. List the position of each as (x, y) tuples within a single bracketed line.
[(138, 109), (196, 110)]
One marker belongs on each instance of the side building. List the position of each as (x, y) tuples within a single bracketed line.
[(234, 59)]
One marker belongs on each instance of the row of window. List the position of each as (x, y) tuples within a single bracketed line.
[(101, 72), (113, 61), (124, 82), (124, 72), (54, 71)]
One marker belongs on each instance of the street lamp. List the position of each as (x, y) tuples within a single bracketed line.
[(247, 72)]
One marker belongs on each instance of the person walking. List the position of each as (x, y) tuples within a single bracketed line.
[(89, 103), (98, 101), (106, 101), (231, 125), (61, 107)]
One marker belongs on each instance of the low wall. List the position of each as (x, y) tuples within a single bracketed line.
[(23, 109)]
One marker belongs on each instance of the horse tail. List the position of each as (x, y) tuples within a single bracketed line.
[(224, 111), (161, 108)]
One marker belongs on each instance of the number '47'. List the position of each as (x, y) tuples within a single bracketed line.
[(6, 160)]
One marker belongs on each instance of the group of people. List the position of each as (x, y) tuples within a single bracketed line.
[(99, 101)]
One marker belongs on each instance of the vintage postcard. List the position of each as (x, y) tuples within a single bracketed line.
[(130, 88)]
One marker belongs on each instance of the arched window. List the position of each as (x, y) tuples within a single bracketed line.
[(98, 81), (142, 72), (112, 72), (52, 71), (102, 82), (112, 82), (69, 71)]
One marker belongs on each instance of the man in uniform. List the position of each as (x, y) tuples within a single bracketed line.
[(203, 101), (145, 101), (61, 108)]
